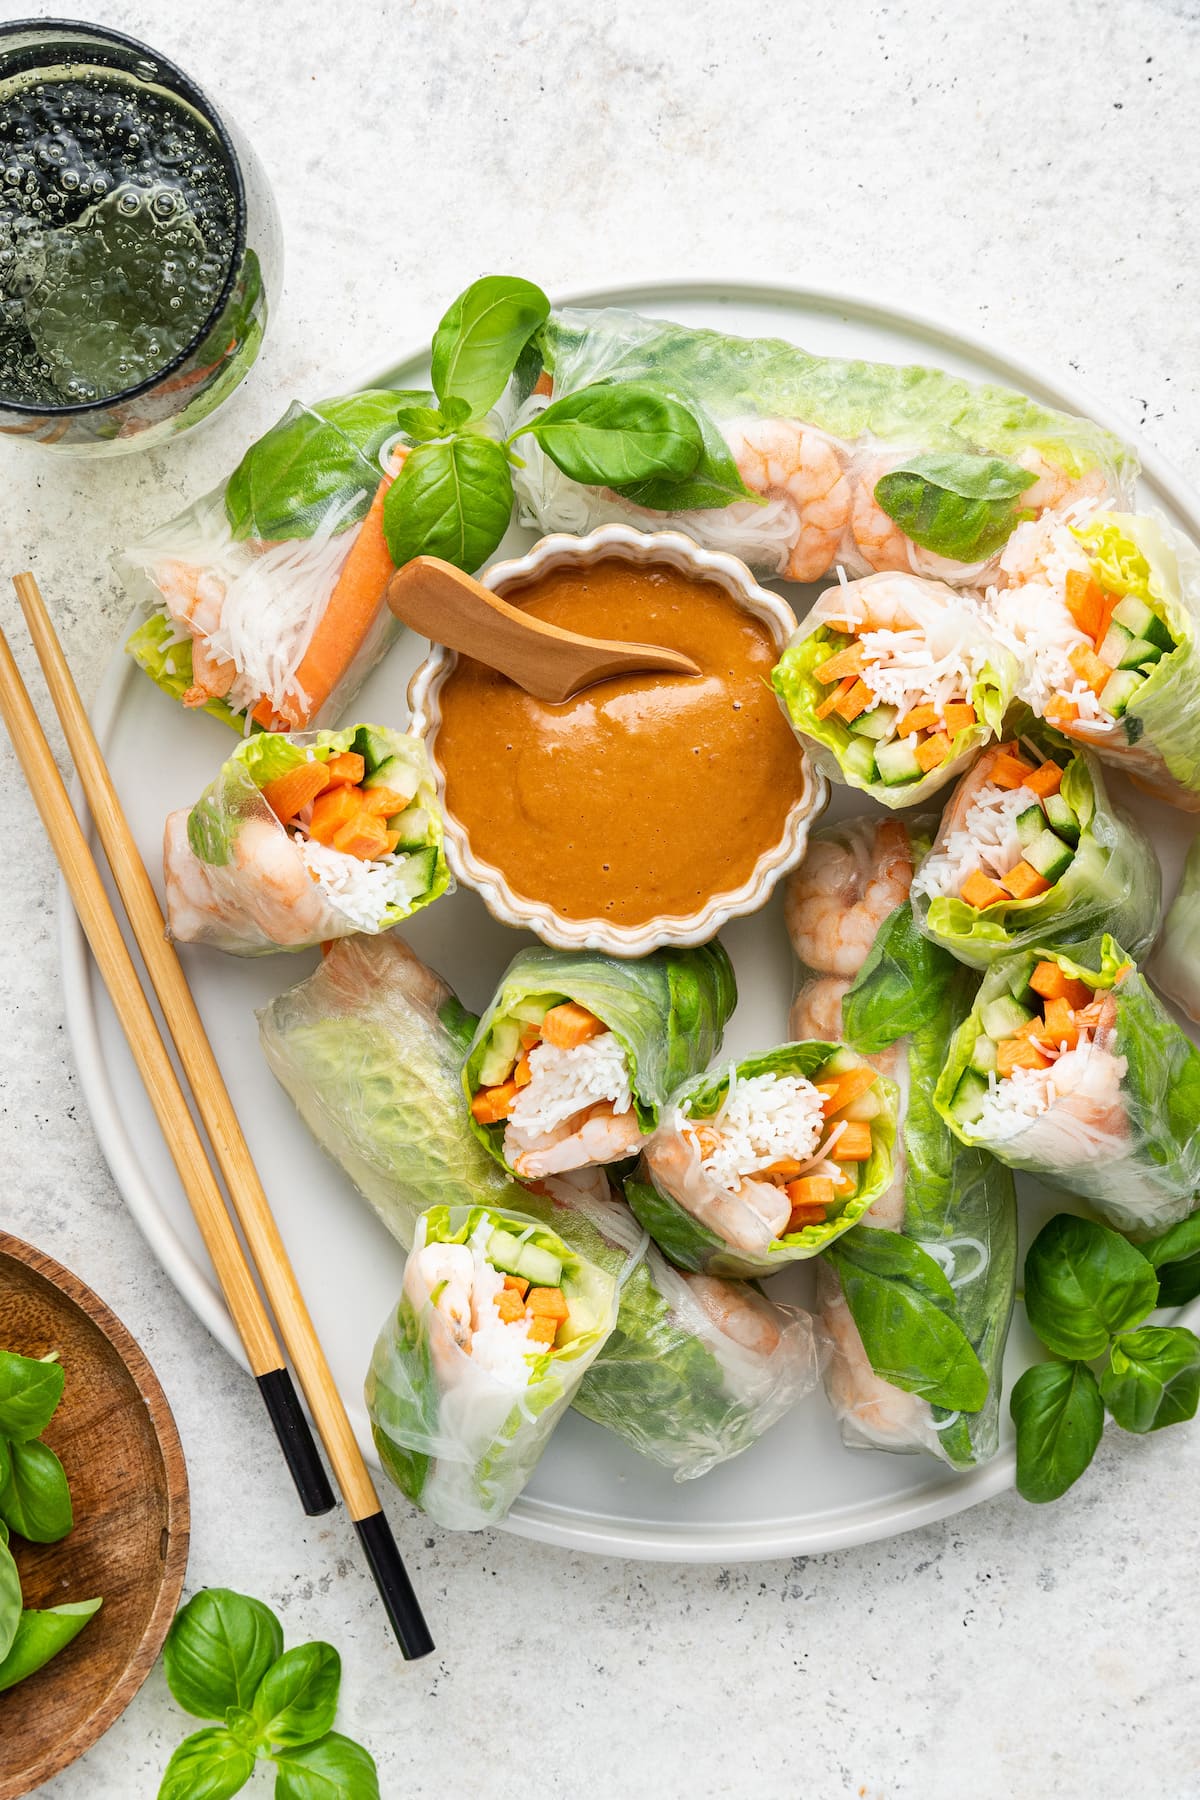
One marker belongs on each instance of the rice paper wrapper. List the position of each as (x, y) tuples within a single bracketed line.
[(236, 878), (949, 625), (253, 564), (459, 1439), (1114, 882), (1127, 1137), (860, 420), (1175, 965), (667, 1010), (695, 1219)]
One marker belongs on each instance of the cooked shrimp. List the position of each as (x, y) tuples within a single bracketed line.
[(192, 597), (1054, 487), (193, 905), (842, 892), (448, 1271), (599, 1136), (748, 1215), (741, 1314), (881, 543), (286, 902), (817, 1009), (783, 459), (886, 1416), (212, 675)]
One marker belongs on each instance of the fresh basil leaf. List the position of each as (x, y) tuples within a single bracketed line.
[(900, 987), (311, 458), (615, 433), (1175, 1253), (452, 500), (964, 507), (209, 1765), (476, 346), (297, 1698), (455, 412), (29, 1394), (217, 1651), (1153, 1377), (715, 481), (903, 1305), (35, 1499), (1083, 1284), (5, 1463), (422, 423), (243, 1725), (40, 1635), (10, 1596), (334, 1768), (1059, 1416)]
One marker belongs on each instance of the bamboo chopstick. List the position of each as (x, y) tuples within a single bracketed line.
[(220, 1119)]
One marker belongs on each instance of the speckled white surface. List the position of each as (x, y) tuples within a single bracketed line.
[(1028, 169)]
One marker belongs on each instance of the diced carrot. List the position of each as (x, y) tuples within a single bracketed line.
[(1091, 670), (361, 836), (1085, 603), (1018, 1053), (920, 718), (1045, 780), (1060, 1024), (347, 768), (1125, 969), (289, 794), (523, 1074), (811, 1190), (850, 661), (1088, 1017), (1061, 711), (542, 1328), (518, 1284), (530, 1035), (510, 1305), (933, 751), (331, 810), (838, 695), (550, 1302), (979, 890), (853, 1143), (843, 1090), (1009, 771), (1023, 881), (801, 1216), (1049, 981), (781, 1172), (567, 1025), (959, 715), (1078, 994), (384, 802), (392, 839), (859, 700), (491, 1104)]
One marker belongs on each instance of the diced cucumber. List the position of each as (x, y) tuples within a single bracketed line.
[(858, 758), (877, 723), (418, 872), (983, 1057), (897, 764), (1120, 690), (969, 1096), (1062, 819), (391, 773), (1139, 652), (504, 1047), (373, 746), (868, 1106), (1030, 824), (840, 1063), (1002, 1016), (1140, 621), (413, 826), (1114, 644), (513, 1257), (1049, 856), (580, 1318)]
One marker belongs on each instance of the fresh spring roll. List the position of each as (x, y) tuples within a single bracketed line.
[(265, 597), (895, 683), (577, 1053), (765, 1162), (942, 1237), (303, 839), (1076, 1072), (370, 1049), (1175, 965), (810, 461), (1032, 851), (498, 1322), (1103, 612)]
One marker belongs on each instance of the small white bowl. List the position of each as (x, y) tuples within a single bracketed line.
[(676, 551)]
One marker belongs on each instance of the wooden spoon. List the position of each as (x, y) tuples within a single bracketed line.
[(454, 609)]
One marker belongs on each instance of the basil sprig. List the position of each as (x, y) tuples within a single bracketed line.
[(1087, 1292), (960, 506), (224, 1659), (899, 987)]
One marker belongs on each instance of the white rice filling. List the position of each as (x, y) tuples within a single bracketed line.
[(564, 1083), (987, 839), (362, 891), (1030, 617), (764, 1119)]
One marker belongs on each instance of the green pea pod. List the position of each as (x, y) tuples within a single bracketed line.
[(40, 1635)]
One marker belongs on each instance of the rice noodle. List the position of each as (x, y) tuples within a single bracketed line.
[(564, 1083), (987, 839), (763, 1119)]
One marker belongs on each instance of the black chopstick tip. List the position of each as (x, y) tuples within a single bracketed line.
[(297, 1442), (395, 1589)]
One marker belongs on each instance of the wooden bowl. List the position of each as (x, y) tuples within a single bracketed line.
[(118, 1443)]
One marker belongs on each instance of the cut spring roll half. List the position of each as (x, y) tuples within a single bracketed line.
[(497, 1324), (1076, 1072), (578, 1051), (265, 598), (813, 462), (1102, 610), (1032, 851), (1175, 965), (303, 839), (896, 683), (767, 1162)]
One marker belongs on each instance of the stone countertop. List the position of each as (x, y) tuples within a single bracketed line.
[(1029, 171)]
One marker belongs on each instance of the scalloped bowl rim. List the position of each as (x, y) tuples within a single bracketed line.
[(620, 543)]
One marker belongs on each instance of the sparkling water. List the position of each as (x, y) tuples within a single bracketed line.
[(118, 225)]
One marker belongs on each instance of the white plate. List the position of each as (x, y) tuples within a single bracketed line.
[(798, 1490)]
